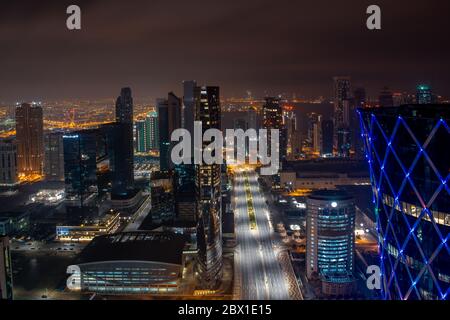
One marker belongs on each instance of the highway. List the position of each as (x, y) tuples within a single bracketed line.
[(262, 277)]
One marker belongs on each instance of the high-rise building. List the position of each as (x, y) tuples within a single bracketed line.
[(330, 242), (344, 142), (315, 132), (8, 164), (273, 119), (386, 98), (82, 159), (327, 138), (409, 166), (341, 95), (30, 139), (164, 136), (293, 144), (141, 136), (54, 156), (6, 279), (124, 158), (188, 106), (423, 94), (151, 122), (208, 193)]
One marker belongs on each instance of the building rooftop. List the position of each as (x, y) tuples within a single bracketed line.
[(148, 246), (329, 195), (431, 111)]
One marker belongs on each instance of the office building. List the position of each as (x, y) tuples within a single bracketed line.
[(188, 106), (273, 119), (341, 97), (6, 273), (409, 166), (30, 139), (208, 193), (8, 165), (293, 145), (423, 94), (315, 132), (152, 130), (125, 158), (327, 138), (330, 242), (54, 156), (141, 144)]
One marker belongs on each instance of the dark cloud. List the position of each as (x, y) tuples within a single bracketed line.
[(261, 45)]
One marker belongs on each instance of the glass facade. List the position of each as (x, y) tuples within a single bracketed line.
[(208, 193), (330, 234), (409, 167)]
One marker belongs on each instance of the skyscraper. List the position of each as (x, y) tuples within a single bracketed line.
[(6, 280), (208, 193), (327, 138), (188, 106), (141, 135), (330, 242), (29, 139), (423, 94), (164, 137), (125, 158), (341, 95), (54, 156), (80, 167), (273, 119), (315, 131), (293, 144), (151, 122), (8, 164), (409, 166)]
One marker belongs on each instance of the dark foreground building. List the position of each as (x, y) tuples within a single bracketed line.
[(131, 262), (407, 151)]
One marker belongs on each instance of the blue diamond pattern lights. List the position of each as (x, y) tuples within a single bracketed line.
[(407, 149)]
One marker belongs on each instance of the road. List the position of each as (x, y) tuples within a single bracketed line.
[(262, 277), (140, 215)]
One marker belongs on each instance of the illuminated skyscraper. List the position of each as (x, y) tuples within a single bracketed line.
[(141, 135), (423, 94), (30, 139), (409, 167), (151, 122), (330, 242), (6, 280), (124, 158), (315, 131), (208, 193), (341, 95), (273, 119)]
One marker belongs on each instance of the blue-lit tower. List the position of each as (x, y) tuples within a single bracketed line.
[(406, 148)]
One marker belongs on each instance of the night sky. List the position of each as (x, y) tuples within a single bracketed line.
[(258, 45)]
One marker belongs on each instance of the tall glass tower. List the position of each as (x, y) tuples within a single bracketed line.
[(125, 158), (406, 148), (208, 193)]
